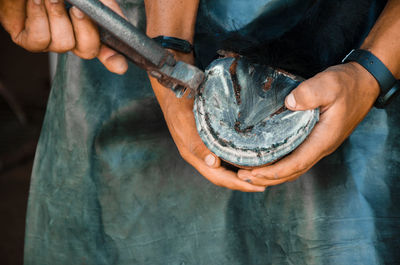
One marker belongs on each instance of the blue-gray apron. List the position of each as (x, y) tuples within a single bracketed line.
[(109, 187)]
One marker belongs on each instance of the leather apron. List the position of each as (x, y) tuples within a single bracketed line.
[(109, 187)]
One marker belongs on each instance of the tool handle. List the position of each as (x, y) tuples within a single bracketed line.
[(119, 34)]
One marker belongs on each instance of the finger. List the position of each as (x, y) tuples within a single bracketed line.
[(311, 94), (198, 148), (245, 175), (112, 60), (212, 160), (185, 134), (36, 35), (87, 40), (262, 181), (62, 34), (218, 175), (222, 177), (228, 179), (322, 141), (114, 6)]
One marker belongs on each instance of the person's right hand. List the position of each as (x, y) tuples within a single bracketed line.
[(45, 26)]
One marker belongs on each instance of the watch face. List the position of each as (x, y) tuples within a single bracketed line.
[(241, 116)]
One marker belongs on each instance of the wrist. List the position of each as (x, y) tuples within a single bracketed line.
[(386, 56), (365, 80), (389, 86)]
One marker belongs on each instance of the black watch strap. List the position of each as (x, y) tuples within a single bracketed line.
[(174, 44), (388, 84)]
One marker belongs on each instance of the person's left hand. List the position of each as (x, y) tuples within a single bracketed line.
[(179, 116), (344, 93)]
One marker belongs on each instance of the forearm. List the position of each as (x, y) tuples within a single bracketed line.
[(175, 18), (384, 39)]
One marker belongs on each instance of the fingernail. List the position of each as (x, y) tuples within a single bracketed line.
[(37, 2), (77, 13), (291, 101), (210, 160), (54, 1)]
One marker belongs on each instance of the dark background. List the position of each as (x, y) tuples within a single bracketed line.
[(24, 88)]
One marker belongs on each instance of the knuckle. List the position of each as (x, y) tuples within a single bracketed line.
[(87, 55), (334, 81), (300, 166), (328, 151), (87, 48), (195, 149), (62, 46), (56, 10), (303, 88), (38, 42), (331, 77), (32, 42), (16, 40), (304, 93)]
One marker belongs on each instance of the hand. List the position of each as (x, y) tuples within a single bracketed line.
[(178, 114), (177, 18), (344, 93), (44, 26)]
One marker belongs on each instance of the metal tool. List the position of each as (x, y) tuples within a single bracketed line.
[(117, 33)]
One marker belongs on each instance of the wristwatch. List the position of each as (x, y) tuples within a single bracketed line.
[(389, 86), (173, 43)]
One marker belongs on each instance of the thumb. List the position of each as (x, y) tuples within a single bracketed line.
[(202, 152), (305, 97), (111, 59)]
